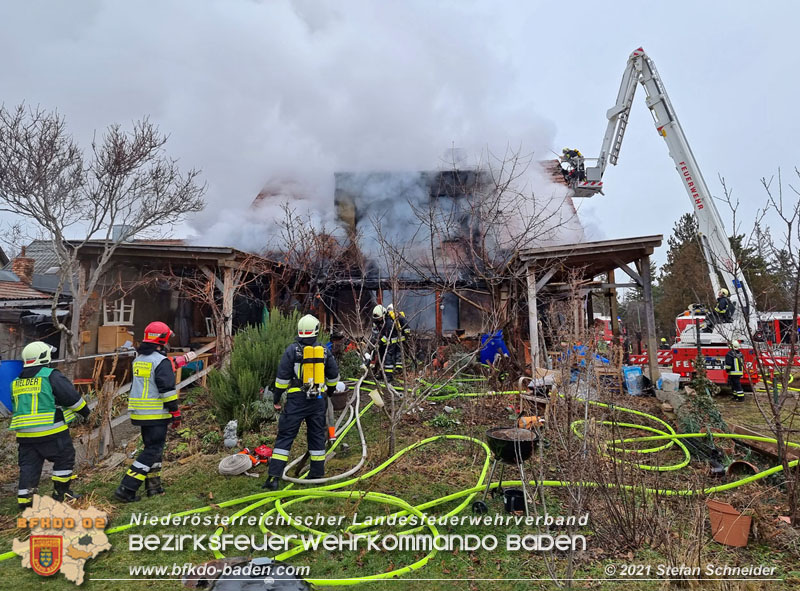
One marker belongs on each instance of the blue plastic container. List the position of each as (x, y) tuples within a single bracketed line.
[(633, 380), (9, 371)]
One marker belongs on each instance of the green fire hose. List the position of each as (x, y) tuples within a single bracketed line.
[(664, 438)]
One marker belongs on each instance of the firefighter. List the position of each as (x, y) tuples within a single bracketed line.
[(734, 365), (663, 345), (385, 342), (44, 402), (305, 369), (403, 333), (723, 309), (153, 405)]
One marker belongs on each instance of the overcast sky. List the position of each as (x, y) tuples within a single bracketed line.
[(279, 92)]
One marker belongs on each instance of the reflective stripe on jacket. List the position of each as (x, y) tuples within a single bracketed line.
[(734, 363), (36, 412), (145, 402)]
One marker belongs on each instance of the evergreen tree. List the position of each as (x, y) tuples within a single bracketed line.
[(684, 277)]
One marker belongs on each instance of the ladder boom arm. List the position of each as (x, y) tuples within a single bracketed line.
[(713, 238)]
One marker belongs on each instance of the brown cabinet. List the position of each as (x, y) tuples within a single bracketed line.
[(111, 338)]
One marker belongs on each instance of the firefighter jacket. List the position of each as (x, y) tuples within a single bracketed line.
[(402, 325), (152, 397), (288, 377), (723, 307), (734, 363), (44, 402), (390, 333)]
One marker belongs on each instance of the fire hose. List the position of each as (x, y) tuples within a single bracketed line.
[(664, 439)]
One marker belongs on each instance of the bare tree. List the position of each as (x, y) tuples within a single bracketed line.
[(471, 232), (124, 181), (780, 241)]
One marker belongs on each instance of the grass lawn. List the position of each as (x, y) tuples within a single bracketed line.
[(427, 473)]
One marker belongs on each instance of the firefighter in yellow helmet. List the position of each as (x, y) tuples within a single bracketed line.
[(304, 371), (44, 402), (734, 366), (723, 310)]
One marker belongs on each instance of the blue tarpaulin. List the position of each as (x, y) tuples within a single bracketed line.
[(492, 345)]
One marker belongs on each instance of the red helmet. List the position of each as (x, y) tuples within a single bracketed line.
[(157, 332)]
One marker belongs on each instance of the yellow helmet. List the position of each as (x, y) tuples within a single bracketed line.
[(723, 292), (37, 353)]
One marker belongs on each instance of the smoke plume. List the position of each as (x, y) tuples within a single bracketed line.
[(274, 97)]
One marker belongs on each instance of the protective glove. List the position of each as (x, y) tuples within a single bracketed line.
[(367, 357), (341, 387), (190, 356), (176, 419)]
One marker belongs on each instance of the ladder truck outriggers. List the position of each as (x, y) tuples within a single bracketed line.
[(698, 332)]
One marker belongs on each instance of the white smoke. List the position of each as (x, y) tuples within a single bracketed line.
[(278, 95)]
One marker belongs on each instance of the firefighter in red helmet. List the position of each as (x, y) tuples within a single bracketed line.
[(153, 406)]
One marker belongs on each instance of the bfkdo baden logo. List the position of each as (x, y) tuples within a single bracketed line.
[(46, 554), (62, 538)]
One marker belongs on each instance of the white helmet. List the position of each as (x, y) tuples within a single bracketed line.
[(307, 326), (378, 313), (735, 345), (37, 353), (723, 293)]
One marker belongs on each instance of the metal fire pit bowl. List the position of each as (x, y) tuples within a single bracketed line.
[(511, 445)]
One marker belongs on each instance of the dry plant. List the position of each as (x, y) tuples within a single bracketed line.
[(125, 181)]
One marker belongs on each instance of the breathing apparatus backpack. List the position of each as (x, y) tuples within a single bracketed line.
[(312, 370)]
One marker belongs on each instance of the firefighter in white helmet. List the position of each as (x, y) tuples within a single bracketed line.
[(734, 366), (304, 371), (384, 343), (44, 402), (403, 333)]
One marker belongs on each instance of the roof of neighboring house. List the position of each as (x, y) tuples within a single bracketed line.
[(8, 276), (41, 251), (3, 257), (10, 290)]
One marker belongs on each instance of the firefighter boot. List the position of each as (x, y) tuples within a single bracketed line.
[(153, 487), (271, 483), (126, 495), (61, 492), (25, 500)]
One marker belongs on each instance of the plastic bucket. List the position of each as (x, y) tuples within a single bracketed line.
[(633, 380), (9, 371), (513, 500)]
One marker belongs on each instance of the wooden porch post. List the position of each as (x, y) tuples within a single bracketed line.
[(438, 304), (533, 320), (650, 318), (612, 304), (228, 288), (273, 291)]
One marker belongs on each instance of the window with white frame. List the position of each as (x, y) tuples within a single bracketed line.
[(118, 312)]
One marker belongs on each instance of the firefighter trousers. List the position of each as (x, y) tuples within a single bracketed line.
[(391, 361), (298, 409), (148, 463), (735, 383), (32, 454)]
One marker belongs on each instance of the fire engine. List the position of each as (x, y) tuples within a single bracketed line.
[(695, 333)]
